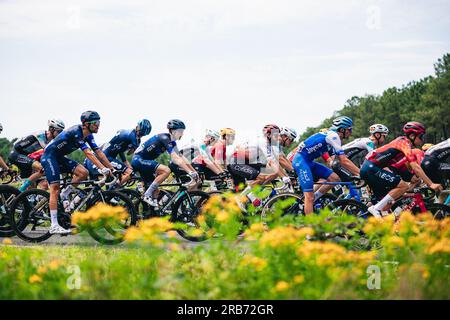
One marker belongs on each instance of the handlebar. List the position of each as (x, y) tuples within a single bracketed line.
[(103, 180)]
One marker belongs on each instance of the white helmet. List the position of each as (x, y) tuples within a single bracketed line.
[(290, 133), (213, 134), (378, 128), (56, 124), (1, 128)]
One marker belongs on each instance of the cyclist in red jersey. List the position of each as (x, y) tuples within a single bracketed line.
[(385, 184)]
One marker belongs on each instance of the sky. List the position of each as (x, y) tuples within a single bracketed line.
[(212, 64)]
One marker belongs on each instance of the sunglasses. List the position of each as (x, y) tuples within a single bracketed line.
[(96, 122), (422, 136), (350, 129)]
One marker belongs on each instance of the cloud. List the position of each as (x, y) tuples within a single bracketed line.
[(406, 44)]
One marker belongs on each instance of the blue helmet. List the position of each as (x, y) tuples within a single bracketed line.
[(342, 123), (175, 124), (89, 116), (145, 127)]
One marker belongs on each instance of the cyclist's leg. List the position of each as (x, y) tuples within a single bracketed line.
[(321, 171), (306, 180), (52, 172), (122, 168)]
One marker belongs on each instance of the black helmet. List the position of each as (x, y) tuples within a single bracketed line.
[(89, 116), (175, 124)]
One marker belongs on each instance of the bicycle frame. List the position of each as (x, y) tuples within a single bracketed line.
[(354, 192), (417, 201)]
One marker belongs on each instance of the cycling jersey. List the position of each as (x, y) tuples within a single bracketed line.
[(357, 149), (123, 140), (401, 168), (320, 143), (31, 143), (260, 152), (392, 152), (54, 160), (440, 151), (144, 157), (70, 140), (155, 146), (25, 146)]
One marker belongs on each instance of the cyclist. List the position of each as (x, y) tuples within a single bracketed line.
[(359, 148), (55, 161), (151, 171), (200, 157), (403, 169), (435, 163), (248, 161), (219, 149), (3, 165), (31, 169), (315, 146), (385, 184), (124, 141)]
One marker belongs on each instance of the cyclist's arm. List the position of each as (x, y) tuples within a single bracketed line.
[(3, 164), (348, 164), (182, 162), (285, 163), (419, 172), (103, 159)]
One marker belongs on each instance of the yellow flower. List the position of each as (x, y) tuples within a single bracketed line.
[(42, 269), (223, 216), (396, 241), (281, 286), (299, 279), (255, 231), (35, 279), (442, 246), (257, 263), (54, 264), (173, 247), (172, 234), (284, 236), (7, 241)]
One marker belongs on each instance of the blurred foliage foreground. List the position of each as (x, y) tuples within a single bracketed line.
[(322, 256)]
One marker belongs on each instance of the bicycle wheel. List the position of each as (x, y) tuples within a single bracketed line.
[(324, 201), (283, 204), (113, 233), (140, 207), (7, 195), (349, 206), (186, 210), (29, 215), (439, 211)]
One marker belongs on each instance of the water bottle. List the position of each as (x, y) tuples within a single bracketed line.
[(80, 196)]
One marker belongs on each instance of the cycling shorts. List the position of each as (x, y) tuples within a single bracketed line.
[(379, 180), (55, 165), (24, 163), (146, 168), (308, 171), (242, 172)]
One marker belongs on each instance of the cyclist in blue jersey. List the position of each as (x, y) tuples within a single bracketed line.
[(154, 173), (54, 161), (124, 141), (314, 147)]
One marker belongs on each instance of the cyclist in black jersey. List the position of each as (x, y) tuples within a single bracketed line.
[(30, 169)]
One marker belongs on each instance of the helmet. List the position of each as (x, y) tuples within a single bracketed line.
[(212, 133), (175, 124), (1, 128), (145, 127), (269, 128), (227, 131), (290, 133), (89, 116), (342, 123), (378, 128), (56, 124), (427, 146), (414, 127), (323, 130)]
